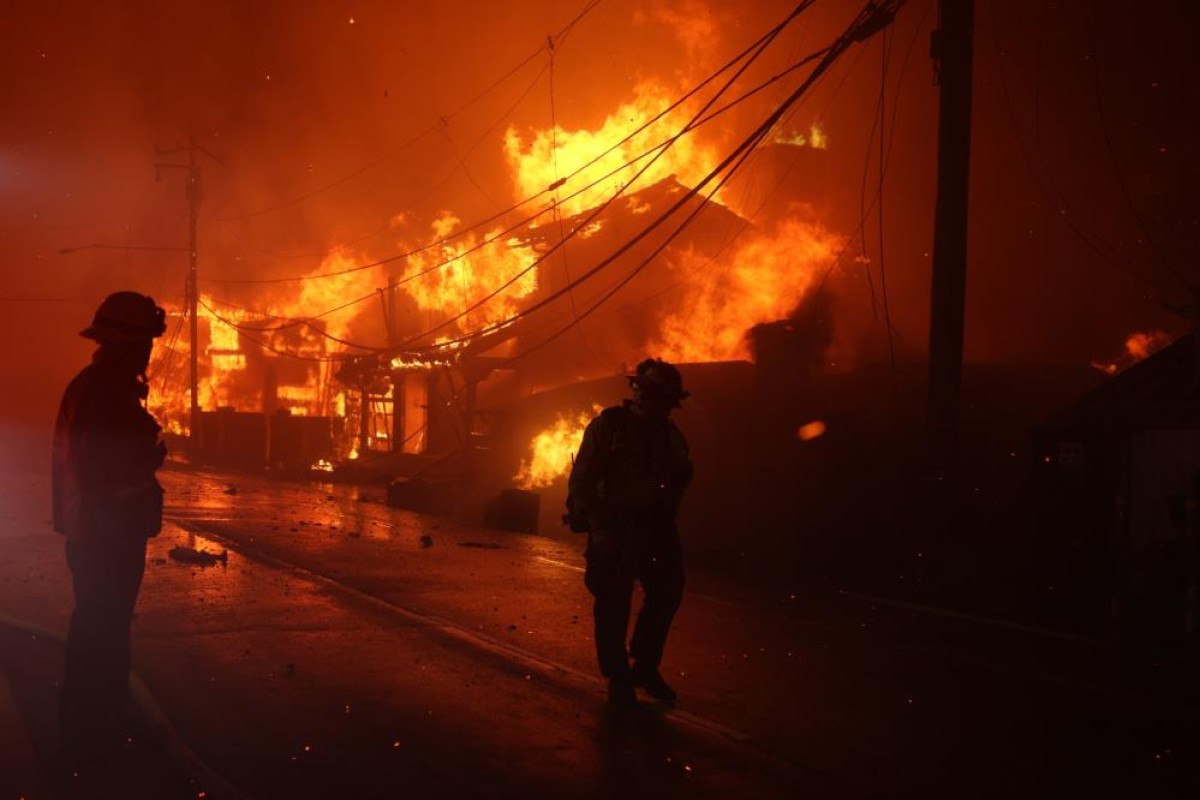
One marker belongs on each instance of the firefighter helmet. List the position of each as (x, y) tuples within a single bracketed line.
[(659, 377), (126, 317)]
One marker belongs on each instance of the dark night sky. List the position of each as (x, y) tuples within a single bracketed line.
[(296, 95)]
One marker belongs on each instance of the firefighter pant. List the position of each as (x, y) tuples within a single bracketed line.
[(106, 576), (614, 562)]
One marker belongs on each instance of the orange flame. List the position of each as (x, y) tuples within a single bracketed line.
[(466, 278), (1138, 345), (551, 452), (225, 352), (762, 280), (554, 154)]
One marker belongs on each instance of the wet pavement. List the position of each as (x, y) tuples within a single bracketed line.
[(347, 649)]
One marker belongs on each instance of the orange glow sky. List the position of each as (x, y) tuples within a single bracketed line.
[(294, 99)]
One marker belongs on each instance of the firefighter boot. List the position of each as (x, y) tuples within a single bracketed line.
[(651, 682)]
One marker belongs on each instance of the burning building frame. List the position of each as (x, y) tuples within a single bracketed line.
[(458, 336)]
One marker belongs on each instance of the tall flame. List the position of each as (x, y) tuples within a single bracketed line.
[(555, 153)]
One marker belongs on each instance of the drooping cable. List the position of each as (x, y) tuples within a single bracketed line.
[(1064, 211), (429, 129), (563, 180), (885, 53), (600, 209), (733, 161), (828, 57), (657, 151), (1151, 239)]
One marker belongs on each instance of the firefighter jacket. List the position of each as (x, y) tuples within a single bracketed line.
[(106, 451), (627, 467)]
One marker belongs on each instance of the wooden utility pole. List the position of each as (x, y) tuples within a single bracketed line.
[(194, 197), (193, 294), (951, 48)]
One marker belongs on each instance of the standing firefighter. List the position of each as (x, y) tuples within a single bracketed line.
[(625, 489), (107, 502)]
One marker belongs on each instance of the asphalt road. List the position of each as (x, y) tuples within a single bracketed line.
[(337, 654)]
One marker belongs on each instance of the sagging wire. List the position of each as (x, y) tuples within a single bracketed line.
[(1117, 168), (828, 56), (430, 129), (561, 181), (1064, 212), (656, 152), (866, 23), (244, 333), (599, 210)]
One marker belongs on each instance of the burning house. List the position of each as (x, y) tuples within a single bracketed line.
[(423, 365)]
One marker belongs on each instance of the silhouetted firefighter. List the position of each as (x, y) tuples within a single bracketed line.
[(625, 489), (107, 502)]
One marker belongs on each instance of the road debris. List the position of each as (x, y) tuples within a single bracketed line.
[(190, 555)]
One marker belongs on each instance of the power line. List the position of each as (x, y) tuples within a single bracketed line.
[(765, 43), (557, 215), (1112, 153), (762, 45), (1064, 212), (885, 53), (563, 180), (863, 26), (266, 346), (870, 20), (460, 165), (739, 155), (165, 362), (431, 128), (792, 165), (655, 150)]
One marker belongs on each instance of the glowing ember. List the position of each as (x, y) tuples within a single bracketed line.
[(811, 430), (762, 280), (552, 451)]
